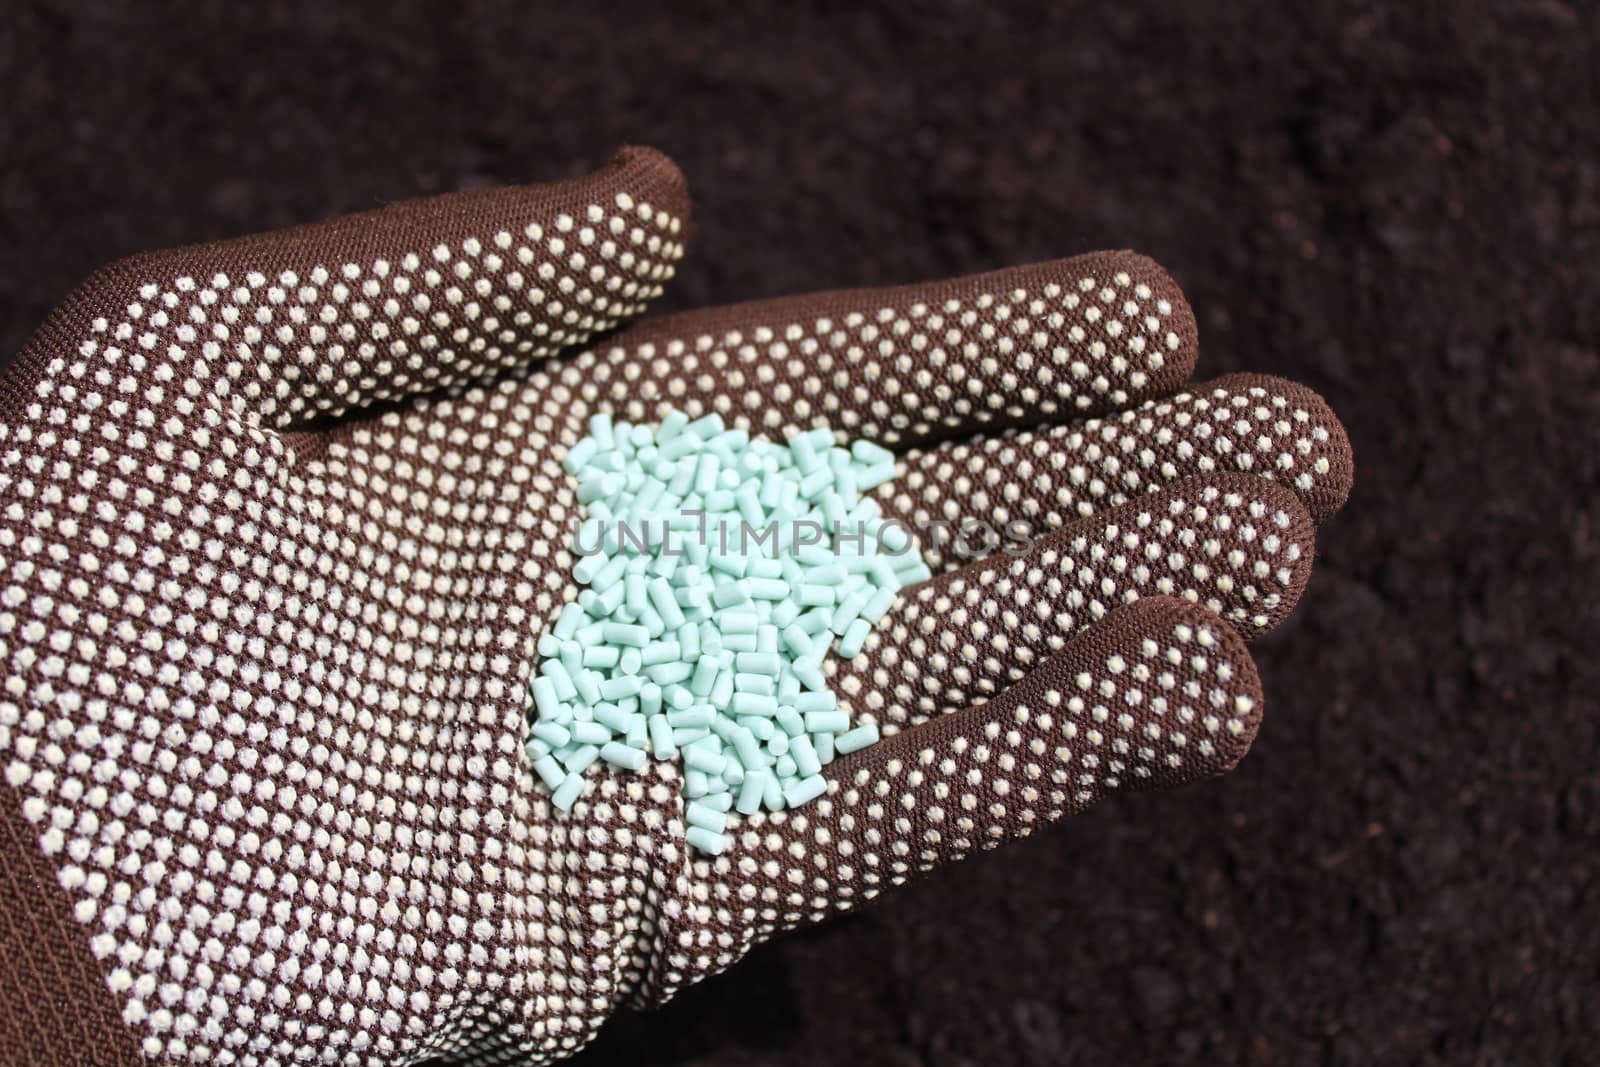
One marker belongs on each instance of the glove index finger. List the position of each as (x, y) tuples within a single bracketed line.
[(916, 363)]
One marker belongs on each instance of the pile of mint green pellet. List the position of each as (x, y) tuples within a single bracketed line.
[(720, 570)]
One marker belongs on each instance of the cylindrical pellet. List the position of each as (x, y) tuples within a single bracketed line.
[(854, 637), (827, 721), (856, 739), (754, 704), (704, 761), (768, 663), (706, 840), (544, 697), (623, 634), (805, 703), (666, 603), (805, 756), (790, 721), (806, 790), (590, 733), (695, 715), (552, 733), (566, 794), (549, 771), (620, 755), (611, 717), (748, 749), (661, 742), (699, 813), (751, 792), (620, 687), (705, 674), (767, 588)]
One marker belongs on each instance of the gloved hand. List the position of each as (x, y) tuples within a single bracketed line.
[(277, 551)]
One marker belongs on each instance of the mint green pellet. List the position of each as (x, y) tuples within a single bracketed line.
[(665, 674), (870, 454), (556, 670), (831, 722), (549, 771), (705, 674), (544, 696), (635, 597), (707, 840), (620, 688), (765, 568), (661, 742), (766, 588), (748, 749), (810, 676), (854, 637), (811, 595), (722, 802), (704, 761), (806, 790), (672, 425), (875, 475), (752, 792), (700, 813), (855, 740), (805, 756), (809, 702), (590, 733), (588, 685), (665, 651), (566, 794), (623, 634), (696, 715), (768, 663), (607, 602), (718, 576), (620, 755), (878, 606), (738, 642), (612, 717), (754, 683), (552, 733), (796, 639), (755, 704), (579, 455), (666, 604), (738, 622), (722, 690), (790, 721)]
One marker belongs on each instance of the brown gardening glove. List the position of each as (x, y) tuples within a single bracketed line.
[(284, 519)]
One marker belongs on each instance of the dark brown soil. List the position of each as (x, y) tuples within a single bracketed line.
[(1397, 203)]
